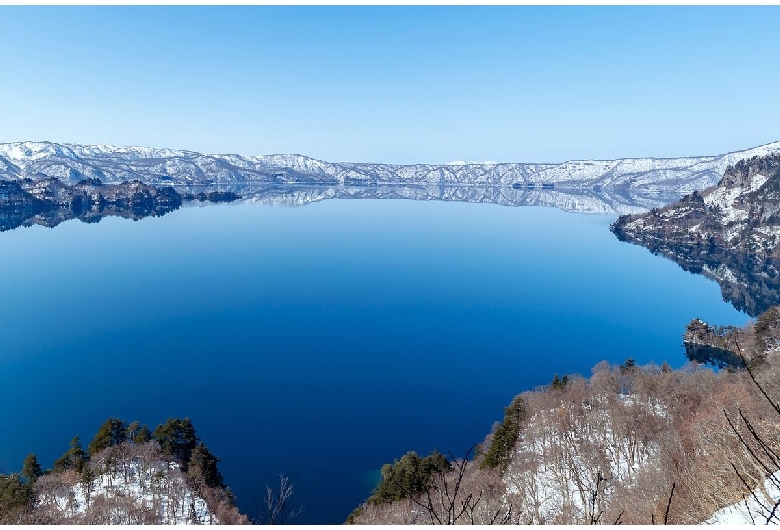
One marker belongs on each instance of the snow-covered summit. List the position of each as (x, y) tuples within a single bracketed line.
[(469, 163)]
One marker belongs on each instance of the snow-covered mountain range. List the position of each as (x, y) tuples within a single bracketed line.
[(604, 201), (71, 163)]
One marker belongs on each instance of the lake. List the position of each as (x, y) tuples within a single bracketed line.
[(321, 341)]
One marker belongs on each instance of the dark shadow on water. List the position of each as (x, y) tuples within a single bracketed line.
[(750, 284), (713, 356)]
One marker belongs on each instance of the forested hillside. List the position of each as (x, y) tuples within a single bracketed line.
[(630, 444), (127, 475)]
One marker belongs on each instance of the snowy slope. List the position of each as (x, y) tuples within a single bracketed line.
[(156, 166), (141, 493), (754, 509)]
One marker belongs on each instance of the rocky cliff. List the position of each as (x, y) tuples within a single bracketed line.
[(729, 232)]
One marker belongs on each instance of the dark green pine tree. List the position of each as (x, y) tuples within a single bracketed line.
[(629, 366), (74, 458), (16, 498), (231, 497), (87, 481), (505, 437), (203, 466), (177, 439), (408, 476), (138, 434), (112, 432), (143, 435), (559, 383), (31, 469), (132, 430)]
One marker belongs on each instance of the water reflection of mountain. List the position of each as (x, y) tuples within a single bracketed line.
[(748, 282), (717, 357), (610, 201), (49, 202)]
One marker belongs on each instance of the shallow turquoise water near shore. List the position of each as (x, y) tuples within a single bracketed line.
[(321, 341)]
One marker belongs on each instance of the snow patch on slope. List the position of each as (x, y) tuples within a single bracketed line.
[(756, 508), (159, 490)]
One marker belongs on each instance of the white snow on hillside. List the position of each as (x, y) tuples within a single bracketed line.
[(155, 166), (756, 508), (571, 457), (139, 493)]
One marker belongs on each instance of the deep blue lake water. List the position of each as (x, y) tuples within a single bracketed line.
[(321, 341)]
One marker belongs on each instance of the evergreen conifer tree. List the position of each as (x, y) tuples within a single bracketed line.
[(74, 457), (177, 439), (628, 366), (143, 435), (408, 476), (87, 481), (112, 432), (203, 465), (31, 469), (505, 437), (132, 430), (16, 497)]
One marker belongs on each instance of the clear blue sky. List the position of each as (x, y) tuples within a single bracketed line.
[(395, 84)]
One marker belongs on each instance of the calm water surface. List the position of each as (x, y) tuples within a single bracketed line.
[(321, 341)]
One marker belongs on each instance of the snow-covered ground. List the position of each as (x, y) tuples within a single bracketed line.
[(577, 454), (141, 492), (758, 508)]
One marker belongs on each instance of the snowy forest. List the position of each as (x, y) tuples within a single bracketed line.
[(127, 475), (629, 445)]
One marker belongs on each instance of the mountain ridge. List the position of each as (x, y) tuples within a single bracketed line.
[(114, 164)]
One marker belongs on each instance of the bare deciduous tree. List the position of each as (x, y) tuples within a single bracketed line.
[(276, 505), (759, 439)]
